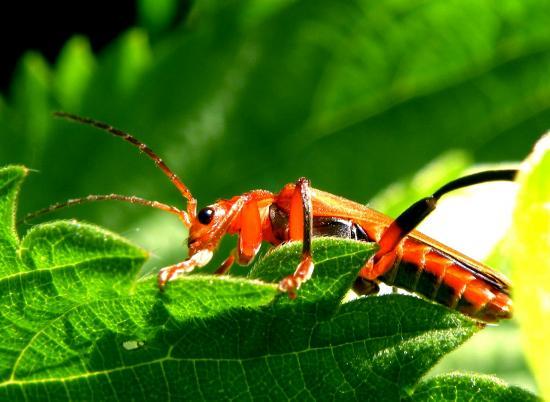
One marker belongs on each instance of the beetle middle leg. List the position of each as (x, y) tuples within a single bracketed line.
[(364, 287), (250, 238), (300, 228)]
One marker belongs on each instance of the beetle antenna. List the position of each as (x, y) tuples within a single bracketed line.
[(109, 197), (191, 202)]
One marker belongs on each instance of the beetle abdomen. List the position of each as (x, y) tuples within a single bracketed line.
[(428, 272)]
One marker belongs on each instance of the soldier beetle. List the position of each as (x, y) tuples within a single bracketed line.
[(405, 258)]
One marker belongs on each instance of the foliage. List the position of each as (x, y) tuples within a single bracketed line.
[(248, 94), (531, 235), (81, 325), (285, 88)]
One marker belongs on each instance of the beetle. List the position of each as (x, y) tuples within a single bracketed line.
[(405, 258)]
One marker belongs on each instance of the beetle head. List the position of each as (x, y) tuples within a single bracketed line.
[(208, 227)]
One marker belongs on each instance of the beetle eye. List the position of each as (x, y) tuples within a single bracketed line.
[(206, 215)]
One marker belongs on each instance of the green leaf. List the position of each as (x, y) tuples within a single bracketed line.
[(157, 15), (78, 324), (75, 67), (333, 259), (10, 179), (467, 387), (31, 92), (358, 95), (531, 265)]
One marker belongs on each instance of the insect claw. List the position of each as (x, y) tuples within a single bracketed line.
[(171, 272), (163, 277), (289, 285), (292, 283)]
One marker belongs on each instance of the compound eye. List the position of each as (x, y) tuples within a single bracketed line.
[(206, 215)]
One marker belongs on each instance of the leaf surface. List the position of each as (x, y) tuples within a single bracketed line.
[(467, 387)]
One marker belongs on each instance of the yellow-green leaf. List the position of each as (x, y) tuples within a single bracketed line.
[(531, 260)]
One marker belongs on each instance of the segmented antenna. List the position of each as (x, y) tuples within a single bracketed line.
[(108, 197), (142, 147)]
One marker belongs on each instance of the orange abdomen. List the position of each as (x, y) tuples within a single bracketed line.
[(430, 272)]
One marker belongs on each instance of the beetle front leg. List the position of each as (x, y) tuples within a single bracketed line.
[(300, 228), (364, 287), (250, 238), (226, 265), (171, 272)]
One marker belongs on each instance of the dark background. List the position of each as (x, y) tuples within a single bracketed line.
[(46, 26)]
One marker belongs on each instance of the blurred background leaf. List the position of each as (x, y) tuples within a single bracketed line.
[(238, 95), (531, 234)]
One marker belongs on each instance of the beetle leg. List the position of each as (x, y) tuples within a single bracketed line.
[(226, 265), (364, 287), (300, 228), (250, 236), (171, 272), (201, 257), (385, 257)]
